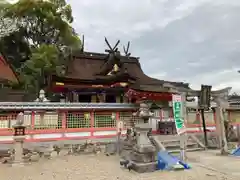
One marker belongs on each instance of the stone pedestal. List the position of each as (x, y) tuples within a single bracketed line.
[(143, 155), (144, 144), (18, 147)]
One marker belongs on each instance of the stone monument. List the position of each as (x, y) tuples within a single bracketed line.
[(41, 98), (19, 137), (142, 157)]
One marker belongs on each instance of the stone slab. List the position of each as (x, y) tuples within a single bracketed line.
[(144, 149), (144, 158), (144, 167)]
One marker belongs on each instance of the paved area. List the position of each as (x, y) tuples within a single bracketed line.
[(212, 160), (100, 167)]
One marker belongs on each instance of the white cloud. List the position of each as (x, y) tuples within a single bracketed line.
[(195, 41)]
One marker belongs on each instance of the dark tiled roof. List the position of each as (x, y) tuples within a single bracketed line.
[(89, 66)]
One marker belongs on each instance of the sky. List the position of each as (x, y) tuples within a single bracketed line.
[(193, 41)]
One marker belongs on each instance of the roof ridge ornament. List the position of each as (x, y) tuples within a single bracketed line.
[(82, 45), (127, 54), (111, 50), (113, 57)]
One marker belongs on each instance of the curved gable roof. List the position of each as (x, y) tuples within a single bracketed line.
[(87, 65), (6, 71)]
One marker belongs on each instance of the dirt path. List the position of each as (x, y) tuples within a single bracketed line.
[(99, 167)]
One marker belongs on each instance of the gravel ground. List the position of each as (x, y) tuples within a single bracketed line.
[(99, 167)]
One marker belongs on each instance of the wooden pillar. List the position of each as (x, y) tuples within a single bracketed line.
[(118, 99), (64, 119), (94, 98), (32, 119), (220, 128), (92, 123), (102, 98), (75, 97)]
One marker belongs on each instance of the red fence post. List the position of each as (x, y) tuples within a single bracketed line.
[(92, 123), (64, 119), (64, 122), (117, 116), (32, 119)]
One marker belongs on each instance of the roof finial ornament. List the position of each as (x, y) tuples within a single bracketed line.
[(111, 50), (113, 57), (82, 48), (126, 50)]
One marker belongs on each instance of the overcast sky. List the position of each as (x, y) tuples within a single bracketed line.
[(195, 41)]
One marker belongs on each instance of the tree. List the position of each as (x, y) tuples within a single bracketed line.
[(15, 49), (43, 33), (44, 60), (45, 22), (7, 25)]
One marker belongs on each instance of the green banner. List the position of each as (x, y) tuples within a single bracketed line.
[(177, 113)]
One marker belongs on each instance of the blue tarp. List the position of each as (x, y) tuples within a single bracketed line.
[(236, 152), (169, 162)]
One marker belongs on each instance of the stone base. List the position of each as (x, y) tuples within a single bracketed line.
[(17, 164), (144, 167), (143, 158), (144, 148), (19, 138)]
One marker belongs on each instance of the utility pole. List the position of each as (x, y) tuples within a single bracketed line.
[(205, 103), (204, 127)]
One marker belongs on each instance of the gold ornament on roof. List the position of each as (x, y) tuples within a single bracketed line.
[(115, 68), (123, 84)]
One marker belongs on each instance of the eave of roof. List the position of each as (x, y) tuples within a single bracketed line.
[(132, 62), (4, 60)]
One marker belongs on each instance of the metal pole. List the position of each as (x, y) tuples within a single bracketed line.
[(183, 136), (183, 147), (204, 127), (238, 134)]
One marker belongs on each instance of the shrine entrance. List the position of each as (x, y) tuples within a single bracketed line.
[(161, 108)]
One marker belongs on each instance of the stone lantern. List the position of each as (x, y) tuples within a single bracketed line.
[(19, 137), (19, 128), (142, 129), (142, 157)]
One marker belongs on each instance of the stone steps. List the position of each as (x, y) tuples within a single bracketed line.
[(174, 147), (172, 144), (188, 150)]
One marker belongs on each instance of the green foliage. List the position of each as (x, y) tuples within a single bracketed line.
[(45, 22), (44, 61), (42, 40), (15, 49), (7, 25)]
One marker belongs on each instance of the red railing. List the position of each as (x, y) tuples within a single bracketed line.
[(78, 124)]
